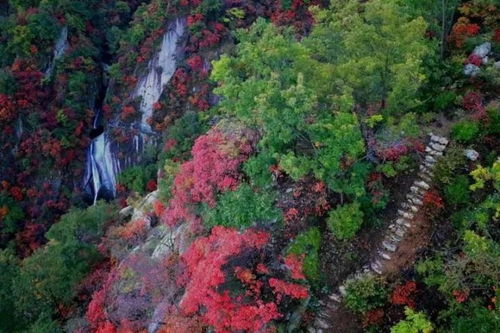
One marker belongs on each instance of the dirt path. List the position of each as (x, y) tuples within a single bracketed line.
[(408, 232)]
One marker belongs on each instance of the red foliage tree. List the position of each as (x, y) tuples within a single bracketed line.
[(433, 200), (462, 30), (213, 168), (404, 294), (210, 267)]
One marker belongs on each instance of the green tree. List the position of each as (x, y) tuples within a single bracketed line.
[(376, 49), (274, 84), (241, 208), (48, 278), (345, 220), (308, 243), (365, 294)]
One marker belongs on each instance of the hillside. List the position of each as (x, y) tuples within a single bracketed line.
[(189, 166)]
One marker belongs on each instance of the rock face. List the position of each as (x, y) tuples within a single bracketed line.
[(160, 70)]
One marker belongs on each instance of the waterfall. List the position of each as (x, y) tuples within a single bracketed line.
[(160, 71), (59, 49), (101, 168)]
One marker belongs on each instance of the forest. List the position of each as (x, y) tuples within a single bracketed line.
[(241, 166)]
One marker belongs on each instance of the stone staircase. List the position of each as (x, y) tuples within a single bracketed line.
[(394, 235)]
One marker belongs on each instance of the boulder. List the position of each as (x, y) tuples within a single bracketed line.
[(482, 50), (471, 154)]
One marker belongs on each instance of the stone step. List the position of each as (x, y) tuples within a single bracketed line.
[(335, 297), (437, 146), (412, 196), (428, 165), (400, 232), (394, 238), (416, 190), (403, 223), (416, 201), (423, 185), (430, 159), (384, 255), (439, 139), (376, 267), (425, 170), (425, 177), (433, 152), (366, 269), (389, 246), (406, 215), (321, 323), (409, 206)]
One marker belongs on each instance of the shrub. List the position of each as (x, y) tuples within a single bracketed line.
[(415, 322), (475, 319), (165, 183), (447, 167), (181, 135), (345, 220), (137, 177), (308, 243), (444, 100), (465, 131), (458, 192), (10, 214), (241, 208), (257, 169), (365, 294)]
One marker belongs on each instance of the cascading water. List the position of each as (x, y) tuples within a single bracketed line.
[(101, 168), (160, 70), (59, 49)]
